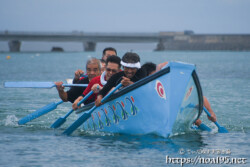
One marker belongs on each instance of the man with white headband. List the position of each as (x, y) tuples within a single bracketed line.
[(132, 73)]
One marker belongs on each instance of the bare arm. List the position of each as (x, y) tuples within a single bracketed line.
[(161, 65), (62, 94), (208, 107), (98, 100), (74, 105)]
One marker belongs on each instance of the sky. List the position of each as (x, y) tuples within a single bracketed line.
[(200, 16)]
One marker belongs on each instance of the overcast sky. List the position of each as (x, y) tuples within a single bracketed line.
[(201, 16)]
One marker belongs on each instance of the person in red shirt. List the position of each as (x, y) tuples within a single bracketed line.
[(113, 66)]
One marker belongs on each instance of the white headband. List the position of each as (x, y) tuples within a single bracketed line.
[(131, 65)]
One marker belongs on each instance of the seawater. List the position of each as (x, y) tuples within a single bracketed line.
[(225, 81)]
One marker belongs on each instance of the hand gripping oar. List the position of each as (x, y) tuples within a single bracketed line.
[(221, 129), (86, 115), (22, 84), (39, 112), (61, 120)]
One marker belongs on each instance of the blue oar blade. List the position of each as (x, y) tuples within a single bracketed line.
[(61, 120), (204, 127), (39, 112), (77, 123), (221, 129), (28, 84), (58, 123)]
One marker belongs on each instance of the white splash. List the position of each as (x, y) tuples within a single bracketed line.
[(11, 120)]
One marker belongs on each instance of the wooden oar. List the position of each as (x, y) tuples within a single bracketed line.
[(39, 112), (86, 115), (31, 84), (61, 120), (221, 129)]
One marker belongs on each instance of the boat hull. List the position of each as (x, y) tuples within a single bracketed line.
[(164, 103)]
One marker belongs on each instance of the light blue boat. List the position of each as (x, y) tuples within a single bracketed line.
[(164, 103)]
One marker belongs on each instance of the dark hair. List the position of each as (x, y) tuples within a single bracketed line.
[(109, 48), (114, 59), (149, 67), (131, 57)]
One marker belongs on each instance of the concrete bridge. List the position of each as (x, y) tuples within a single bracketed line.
[(185, 40), (89, 40)]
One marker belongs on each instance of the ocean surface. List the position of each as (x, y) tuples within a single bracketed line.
[(225, 81)]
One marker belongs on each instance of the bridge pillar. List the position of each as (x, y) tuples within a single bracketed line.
[(89, 46), (160, 46), (14, 46)]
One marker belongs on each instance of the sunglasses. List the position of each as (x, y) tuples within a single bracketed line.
[(108, 70)]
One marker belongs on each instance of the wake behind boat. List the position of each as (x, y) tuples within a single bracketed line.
[(164, 103)]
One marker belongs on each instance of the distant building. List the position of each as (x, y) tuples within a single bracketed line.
[(190, 41), (57, 49)]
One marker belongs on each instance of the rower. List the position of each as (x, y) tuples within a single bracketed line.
[(132, 73), (93, 68)]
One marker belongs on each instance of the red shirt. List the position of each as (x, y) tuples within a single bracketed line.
[(96, 80)]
